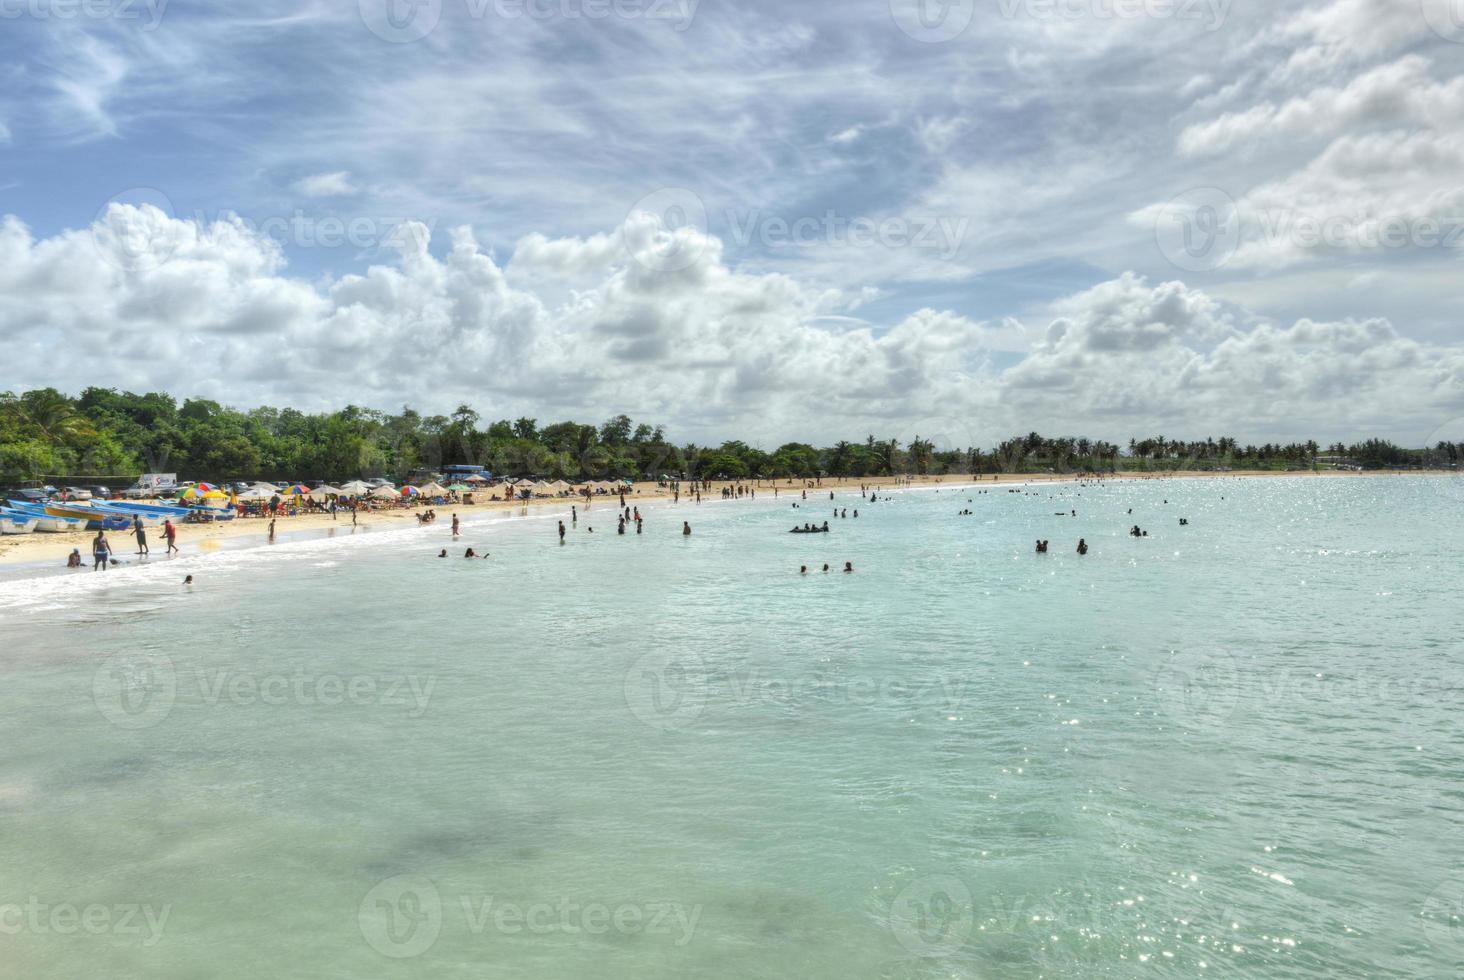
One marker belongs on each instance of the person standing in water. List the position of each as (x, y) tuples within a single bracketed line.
[(170, 534), (271, 528), (454, 525), (685, 528), (140, 533), (561, 532), (1082, 546), (101, 551)]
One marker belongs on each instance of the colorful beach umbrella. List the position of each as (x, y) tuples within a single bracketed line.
[(299, 488), (411, 491)]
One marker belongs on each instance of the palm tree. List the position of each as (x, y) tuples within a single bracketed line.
[(51, 412)]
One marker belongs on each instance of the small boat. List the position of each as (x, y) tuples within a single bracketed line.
[(14, 523), (148, 513), (45, 522), (94, 518)]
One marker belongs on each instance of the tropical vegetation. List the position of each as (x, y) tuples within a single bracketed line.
[(107, 434)]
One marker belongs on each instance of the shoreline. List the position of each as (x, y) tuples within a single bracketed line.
[(43, 553)]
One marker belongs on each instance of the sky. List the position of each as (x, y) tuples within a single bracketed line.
[(763, 219)]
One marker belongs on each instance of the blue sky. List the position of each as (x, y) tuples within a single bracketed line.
[(1101, 217)]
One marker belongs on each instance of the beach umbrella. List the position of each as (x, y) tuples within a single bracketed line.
[(410, 491), (205, 487), (433, 490), (384, 493), (264, 488), (201, 491), (476, 478), (256, 493), (356, 487), (298, 489), (326, 490)]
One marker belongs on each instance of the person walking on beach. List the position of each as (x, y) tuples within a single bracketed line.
[(454, 525), (140, 533), (170, 535), (353, 513), (101, 551), (271, 528)]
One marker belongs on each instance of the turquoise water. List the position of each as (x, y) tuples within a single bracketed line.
[(1228, 749)]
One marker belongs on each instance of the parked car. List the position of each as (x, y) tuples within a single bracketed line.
[(78, 493), (32, 496), (101, 493)]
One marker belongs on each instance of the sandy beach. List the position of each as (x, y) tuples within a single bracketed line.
[(42, 549)]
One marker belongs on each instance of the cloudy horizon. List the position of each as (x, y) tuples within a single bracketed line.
[(950, 218)]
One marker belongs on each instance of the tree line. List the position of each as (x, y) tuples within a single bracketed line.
[(106, 434)]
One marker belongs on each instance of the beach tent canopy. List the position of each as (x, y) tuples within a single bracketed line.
[(356, 486), (458, 486), (258, 493), (384, 493), (476, 478), (326, 490), (264, 488), (433, 490)]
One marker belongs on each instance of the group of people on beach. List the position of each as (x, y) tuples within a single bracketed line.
[(101, 548)]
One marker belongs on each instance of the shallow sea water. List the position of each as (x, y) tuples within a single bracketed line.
[(1228, 749)]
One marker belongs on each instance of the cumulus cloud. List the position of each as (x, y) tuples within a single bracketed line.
[(704, 347)]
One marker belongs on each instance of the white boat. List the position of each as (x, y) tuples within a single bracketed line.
[(16, 524)]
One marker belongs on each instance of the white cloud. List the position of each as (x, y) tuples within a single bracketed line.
[(336, 183), (707, 349)]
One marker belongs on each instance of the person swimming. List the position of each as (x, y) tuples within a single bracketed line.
[(1082, 546), (188, 580), (802, 569), (685, 528), (848, 566), (442, 553)]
